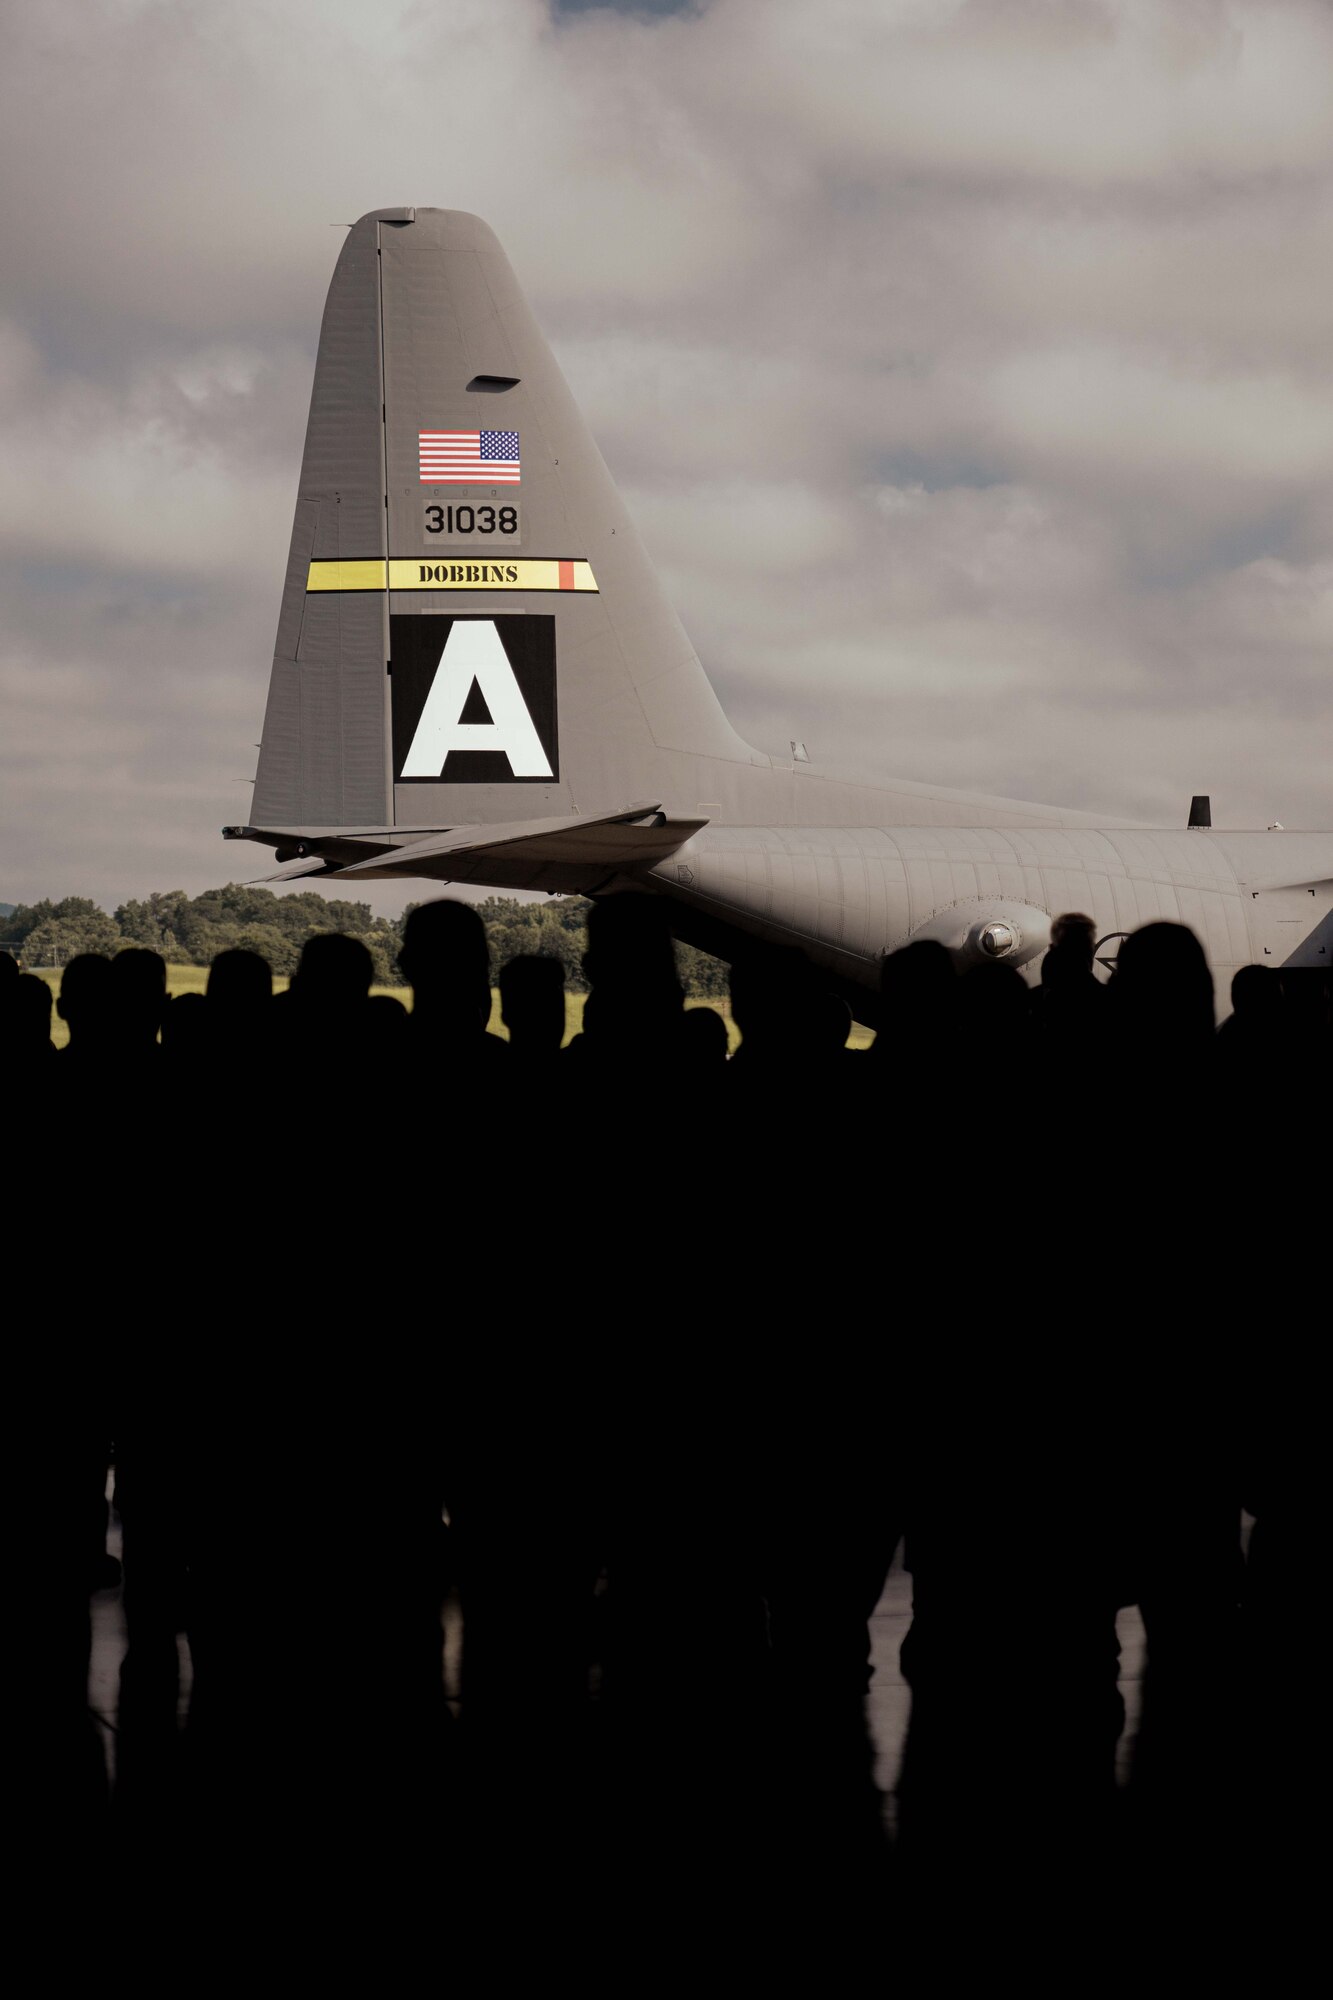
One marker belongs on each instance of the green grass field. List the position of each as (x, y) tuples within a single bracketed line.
[(194, 978)]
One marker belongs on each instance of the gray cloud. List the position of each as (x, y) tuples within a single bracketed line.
[(964, 365)]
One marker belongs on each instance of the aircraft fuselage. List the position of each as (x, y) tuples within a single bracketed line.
[(848, 895)]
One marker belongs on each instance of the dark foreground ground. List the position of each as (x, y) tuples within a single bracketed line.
[(887, 1709), (696, 1824)]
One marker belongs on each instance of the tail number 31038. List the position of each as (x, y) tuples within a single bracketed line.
[(472, 520)]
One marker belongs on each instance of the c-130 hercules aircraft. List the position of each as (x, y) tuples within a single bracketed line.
[(478, 679)]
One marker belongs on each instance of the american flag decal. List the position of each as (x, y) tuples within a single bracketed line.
[(468, 458)]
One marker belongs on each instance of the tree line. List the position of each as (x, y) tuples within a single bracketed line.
[(192, 930)]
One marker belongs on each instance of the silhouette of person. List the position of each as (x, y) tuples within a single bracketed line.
[(918, 1004), (242, 1018), (1162, 1066), (1283, 1680), (85, 1006), (633, 1013), (1067, 967), (1163, 998), (326, 1012), (240, 984), (993, 1018), (157, 1463), (56, 1559), (446, 960), (532, 1005), (333, 978), (137, 995), (1069, 1004), (1182, 1503), (1011, 1542), (1252, 1043), (185, 1028), (25, 1023), (785, 1016)]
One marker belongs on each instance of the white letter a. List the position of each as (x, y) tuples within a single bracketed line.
[(473, 652)]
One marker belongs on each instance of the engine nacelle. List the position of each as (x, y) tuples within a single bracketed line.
[(988, 931)]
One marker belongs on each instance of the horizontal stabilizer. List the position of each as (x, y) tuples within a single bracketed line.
[(295, 871), (570, 854), (337, 844), (568, 847)]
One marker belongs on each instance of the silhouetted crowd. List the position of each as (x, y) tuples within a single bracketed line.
[(1157, 1009), (651, 1361)]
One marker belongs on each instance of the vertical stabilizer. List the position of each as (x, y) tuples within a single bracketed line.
[(449, 481)]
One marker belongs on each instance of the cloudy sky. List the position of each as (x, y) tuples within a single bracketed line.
[(965, 364)]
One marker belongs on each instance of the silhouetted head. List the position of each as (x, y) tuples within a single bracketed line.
[(185, 1025), (1256, 995), (85, 1002), (1068, 958), (532, 1004), (1163, 988), (917, 987), (631, 967), (334, 974), (26, 1002), (139, 995), (239, 981), (704, 1038), (447, 962), (778, 1003), (993, 1008)]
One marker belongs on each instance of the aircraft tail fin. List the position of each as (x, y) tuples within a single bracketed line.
[(471, 631)]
